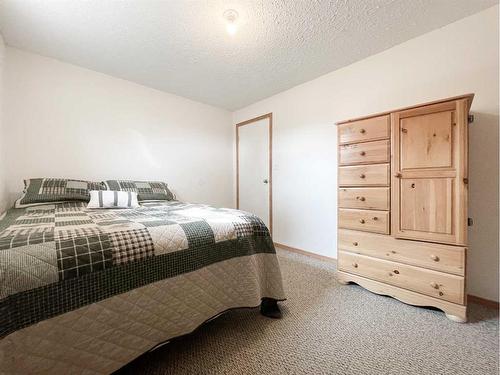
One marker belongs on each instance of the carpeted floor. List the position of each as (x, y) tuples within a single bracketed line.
[(328, 328)]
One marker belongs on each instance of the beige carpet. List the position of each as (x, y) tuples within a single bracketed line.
[(328, 328)]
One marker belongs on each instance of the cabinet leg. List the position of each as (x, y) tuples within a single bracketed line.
[(456, 318), (342, 280)]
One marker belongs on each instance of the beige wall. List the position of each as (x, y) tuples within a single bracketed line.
[(64, 121), (457, 59)]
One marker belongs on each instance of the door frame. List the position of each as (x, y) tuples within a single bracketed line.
[(268, 116)]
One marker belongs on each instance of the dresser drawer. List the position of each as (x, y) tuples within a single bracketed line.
[(432, 283), (364, 175), (365, 220), (365, 153), (445, 258), (365, 130), (366, 198)]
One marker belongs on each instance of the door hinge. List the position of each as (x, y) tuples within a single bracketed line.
[(470, 119), (470, 222)]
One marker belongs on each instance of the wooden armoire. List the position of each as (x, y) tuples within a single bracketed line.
[(402, 198)]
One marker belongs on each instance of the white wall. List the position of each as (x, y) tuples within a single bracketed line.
[(64, 121), (457, 59), (3, 194)]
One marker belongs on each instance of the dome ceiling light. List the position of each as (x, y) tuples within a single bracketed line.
[(231, 17)]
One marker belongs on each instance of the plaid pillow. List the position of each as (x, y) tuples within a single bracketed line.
[(146, 190), (50, 190)]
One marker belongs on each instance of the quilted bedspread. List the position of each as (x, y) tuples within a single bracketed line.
[(86, 291)]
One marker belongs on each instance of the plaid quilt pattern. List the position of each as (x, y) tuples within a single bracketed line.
[(23, 238), (131, 245), (80, 255), (146, 190), (93, 254), (44, 190)]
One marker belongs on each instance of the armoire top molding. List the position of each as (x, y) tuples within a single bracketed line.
[(469, 98)]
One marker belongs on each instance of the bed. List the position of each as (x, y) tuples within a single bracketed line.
[(87, 291)]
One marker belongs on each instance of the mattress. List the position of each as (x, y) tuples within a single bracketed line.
[(86, 291)]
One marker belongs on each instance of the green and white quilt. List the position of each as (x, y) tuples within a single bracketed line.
[(59, 258)]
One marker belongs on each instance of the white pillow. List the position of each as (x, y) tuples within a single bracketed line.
[(112, 199)]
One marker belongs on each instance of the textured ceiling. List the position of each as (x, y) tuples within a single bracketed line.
[(182, 47)]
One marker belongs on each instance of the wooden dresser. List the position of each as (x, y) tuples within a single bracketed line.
[(402, 198)]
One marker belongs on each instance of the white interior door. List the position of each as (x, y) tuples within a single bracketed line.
[(254, 175)]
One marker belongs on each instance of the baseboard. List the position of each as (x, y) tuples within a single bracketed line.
[(306, 253), (483, 301), (471, 298)]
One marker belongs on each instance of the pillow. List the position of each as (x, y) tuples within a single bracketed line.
[(146, 190), (113, 199), (52, 190)]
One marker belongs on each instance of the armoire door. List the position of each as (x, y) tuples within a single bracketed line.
[(429, 168)]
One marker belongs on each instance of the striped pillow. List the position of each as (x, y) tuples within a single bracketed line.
[(112, 199)]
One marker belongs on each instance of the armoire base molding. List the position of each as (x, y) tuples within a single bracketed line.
[(454, 312)]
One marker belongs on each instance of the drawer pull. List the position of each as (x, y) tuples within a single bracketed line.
[(355, 244), (396, 272), (435, 258), (362, 221), (362, 175), (435, 285), (375, 218), (355, 265), (362, 153), (362, 131), (362, 199)]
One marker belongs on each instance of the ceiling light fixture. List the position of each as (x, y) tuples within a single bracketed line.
[(231, 17)]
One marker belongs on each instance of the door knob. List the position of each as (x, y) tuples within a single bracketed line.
[(266, 181)]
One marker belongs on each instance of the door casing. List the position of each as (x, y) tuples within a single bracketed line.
[(249, 122)]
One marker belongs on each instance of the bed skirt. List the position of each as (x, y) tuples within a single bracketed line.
[(102, 337)]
